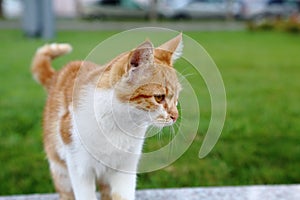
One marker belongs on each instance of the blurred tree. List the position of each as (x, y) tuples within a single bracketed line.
[(1, 11), (229, 8), (153, 10), (298, 4), (78, 7)]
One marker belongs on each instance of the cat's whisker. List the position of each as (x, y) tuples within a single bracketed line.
[(181, 73), (172, 135), (160, 133), (157, 130), (150, 128), (183, 135), (185, 76)]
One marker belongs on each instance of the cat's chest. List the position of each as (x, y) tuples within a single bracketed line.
[(107, 146), (103, 126)]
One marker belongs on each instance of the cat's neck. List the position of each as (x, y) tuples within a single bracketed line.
[(117, 116), (108, 123)]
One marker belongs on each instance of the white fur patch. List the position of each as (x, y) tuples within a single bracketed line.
[(55, 49), (63, 176), (103, 129), (178, 52)]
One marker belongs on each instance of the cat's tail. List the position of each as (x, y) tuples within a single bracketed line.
[(41, 67)]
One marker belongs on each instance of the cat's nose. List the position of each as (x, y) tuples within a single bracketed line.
[(174, 116)]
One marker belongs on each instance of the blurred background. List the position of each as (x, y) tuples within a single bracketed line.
[(254, 43), (36, 16), (151, 9)]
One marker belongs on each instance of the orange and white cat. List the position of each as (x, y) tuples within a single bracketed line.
[(96, 117)]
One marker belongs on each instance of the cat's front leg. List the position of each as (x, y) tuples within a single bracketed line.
[(83, 182), (123, 186)]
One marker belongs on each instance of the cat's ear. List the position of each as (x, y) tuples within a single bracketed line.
[(170, 51), (143, 54), (140, 60)]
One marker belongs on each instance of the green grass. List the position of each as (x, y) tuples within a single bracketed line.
[(260, 143)]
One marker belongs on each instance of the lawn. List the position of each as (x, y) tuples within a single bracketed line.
[(260, 142)]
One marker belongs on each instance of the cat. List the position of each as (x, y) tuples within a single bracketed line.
[(96, 117)]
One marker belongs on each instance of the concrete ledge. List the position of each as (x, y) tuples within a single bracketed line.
[(276, 192)]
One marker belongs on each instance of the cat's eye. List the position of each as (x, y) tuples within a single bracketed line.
[(159, 98)]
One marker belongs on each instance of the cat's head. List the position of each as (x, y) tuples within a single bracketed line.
[(149, 82)]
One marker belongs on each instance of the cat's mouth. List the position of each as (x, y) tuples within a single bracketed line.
[(162, 122)]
